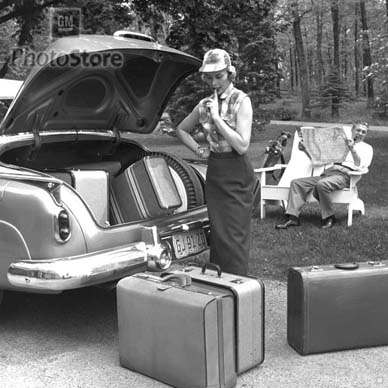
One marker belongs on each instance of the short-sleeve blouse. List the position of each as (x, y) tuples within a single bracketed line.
[(229, 105)]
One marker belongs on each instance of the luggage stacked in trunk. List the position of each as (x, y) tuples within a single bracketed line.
[(146, 189), (93, 186)]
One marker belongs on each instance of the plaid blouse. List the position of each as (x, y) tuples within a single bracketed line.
[(229, 104)]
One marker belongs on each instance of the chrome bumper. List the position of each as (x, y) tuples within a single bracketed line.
[(84, 270)]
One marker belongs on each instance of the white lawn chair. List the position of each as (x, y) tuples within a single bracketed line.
[(300, 166), (9, 88)]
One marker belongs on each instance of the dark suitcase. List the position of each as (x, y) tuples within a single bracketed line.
[(248, 294), (175, 332), (145, 189), (337, 307), (93, 186)]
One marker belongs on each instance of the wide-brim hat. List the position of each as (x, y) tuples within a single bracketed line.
[(215, 60)]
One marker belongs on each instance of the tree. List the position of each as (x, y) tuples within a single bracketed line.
[(357, 64), (318, 10), (199, 25), (27, 24), (302, 65), (336, 71), (367, 58), (26, 16)]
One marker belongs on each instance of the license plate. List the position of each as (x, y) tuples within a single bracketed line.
[(189, 243)]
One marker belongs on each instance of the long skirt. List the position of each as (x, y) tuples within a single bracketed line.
[(229, 197)]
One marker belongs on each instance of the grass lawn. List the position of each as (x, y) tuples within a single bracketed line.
[(273, 251)]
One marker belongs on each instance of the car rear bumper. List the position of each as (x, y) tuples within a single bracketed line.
[(66, 273)]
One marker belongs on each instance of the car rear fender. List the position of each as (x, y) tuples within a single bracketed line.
[(12, 245), (32, 210)]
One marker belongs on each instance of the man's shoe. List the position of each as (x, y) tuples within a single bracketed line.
[(328, 222), (292, 221)]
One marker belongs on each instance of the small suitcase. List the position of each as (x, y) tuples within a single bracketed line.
[(248, 294), (93, 186), (145, 189), (337, 307), (175, 332)]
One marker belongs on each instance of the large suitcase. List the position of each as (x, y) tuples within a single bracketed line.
[(145, 189), (93, 186), (336, 307), (248, 295), (175, 332)]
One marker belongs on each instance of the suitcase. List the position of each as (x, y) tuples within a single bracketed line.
[(175, 332), (93, 186), (145, 189), (337, 307), (248, 294)]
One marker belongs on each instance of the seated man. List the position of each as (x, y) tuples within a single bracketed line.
[(334, 178)]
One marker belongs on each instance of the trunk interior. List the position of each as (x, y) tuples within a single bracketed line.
[(99, 171)]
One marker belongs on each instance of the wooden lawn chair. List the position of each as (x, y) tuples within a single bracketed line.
[(300, 166)]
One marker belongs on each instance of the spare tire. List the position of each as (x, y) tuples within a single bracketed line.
[(186, 180)]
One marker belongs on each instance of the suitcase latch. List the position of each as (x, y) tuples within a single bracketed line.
[(376, 263), (315, 268), (163, 287)]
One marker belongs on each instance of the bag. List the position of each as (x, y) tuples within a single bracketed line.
[(176, 333), (248, 297), (336, 307)]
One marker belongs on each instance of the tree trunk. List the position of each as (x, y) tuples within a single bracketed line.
[(357, 64), (301, 60), (336, 34), (292, 70), (336, 57), (386, 16), (319, 25), (366, 52)]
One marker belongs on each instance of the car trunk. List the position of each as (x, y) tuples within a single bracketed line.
[(93, 163)]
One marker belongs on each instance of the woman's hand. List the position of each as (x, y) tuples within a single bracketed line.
[(203, 152), (212, 106)]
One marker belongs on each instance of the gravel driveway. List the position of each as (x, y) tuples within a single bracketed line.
[(70, 341)]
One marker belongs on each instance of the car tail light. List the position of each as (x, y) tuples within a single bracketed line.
[(63, 220)]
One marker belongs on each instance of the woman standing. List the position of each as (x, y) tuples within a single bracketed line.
[(226, 117)]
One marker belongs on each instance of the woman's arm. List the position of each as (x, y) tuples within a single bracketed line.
[(240, 138), (183, 132)]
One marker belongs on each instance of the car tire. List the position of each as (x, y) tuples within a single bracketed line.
[(1, 295), (186, 180)]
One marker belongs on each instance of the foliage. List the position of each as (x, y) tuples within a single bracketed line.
[(26, 24), (378, 70), (317, 32), (113, 15), (276, 113), (197, 26), (333, 93)]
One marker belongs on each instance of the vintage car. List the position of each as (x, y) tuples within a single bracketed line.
[(67, 142)]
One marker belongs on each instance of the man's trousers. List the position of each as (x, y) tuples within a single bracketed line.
[(334, 178)]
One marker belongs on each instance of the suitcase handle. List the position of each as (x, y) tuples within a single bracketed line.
[(183, 279), (213, 266), (347, 266)]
